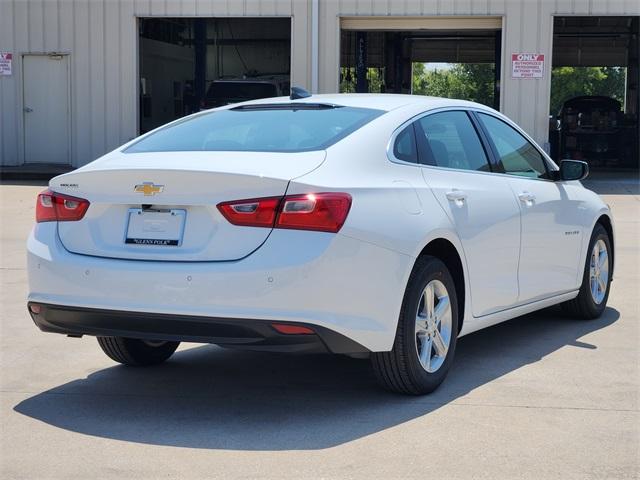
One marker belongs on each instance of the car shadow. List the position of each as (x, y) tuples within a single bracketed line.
[(212, 398)]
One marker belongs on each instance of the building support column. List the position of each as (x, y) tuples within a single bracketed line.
[(200, 70), (315, 54)]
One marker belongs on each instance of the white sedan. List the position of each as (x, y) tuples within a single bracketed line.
[(384, 226)]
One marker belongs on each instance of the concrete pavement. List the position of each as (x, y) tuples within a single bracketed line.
[(539, 397)]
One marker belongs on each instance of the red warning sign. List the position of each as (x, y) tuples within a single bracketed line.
[(527, 65), (5, 63)]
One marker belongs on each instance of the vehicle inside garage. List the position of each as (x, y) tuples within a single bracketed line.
[(187, 64), (450, 63), (594, 91)]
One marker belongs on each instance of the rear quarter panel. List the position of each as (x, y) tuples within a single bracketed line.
[(392, 207)]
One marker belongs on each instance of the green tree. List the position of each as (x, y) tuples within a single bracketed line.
[(466, 81), (375, 80)]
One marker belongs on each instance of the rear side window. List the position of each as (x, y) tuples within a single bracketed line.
[(517, 155), (263, 128), (451, 141), (404, 147)]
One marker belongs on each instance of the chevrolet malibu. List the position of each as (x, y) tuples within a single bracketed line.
[(380, 226)]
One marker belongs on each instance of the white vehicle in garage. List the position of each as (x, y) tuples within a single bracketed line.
[(387, 225)]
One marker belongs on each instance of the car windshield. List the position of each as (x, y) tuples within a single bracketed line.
[(241, 90), (259, 128)]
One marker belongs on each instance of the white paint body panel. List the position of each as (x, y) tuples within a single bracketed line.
[(488, 224), (552, 230), (352, 282), (295, 276), (194, 181)]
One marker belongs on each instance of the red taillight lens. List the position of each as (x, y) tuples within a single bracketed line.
[(46, 208), (256, 212), (323, 212), (56, 207), (292, 329)]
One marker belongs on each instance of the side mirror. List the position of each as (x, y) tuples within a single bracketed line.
[(573, 170)]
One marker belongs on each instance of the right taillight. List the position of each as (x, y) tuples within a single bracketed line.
[(56, 207), (323, 212)]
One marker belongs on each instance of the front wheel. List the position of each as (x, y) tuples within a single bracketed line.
[(134, 352), (427, 332), (596, 278)]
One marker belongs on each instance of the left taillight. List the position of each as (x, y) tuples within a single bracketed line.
[(56, 207)]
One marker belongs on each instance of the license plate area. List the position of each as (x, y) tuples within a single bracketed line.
[(155, 227)]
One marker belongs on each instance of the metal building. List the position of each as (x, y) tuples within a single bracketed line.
[(80, 77)]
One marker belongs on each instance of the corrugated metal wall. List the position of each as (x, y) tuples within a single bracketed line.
[(527, 27), (101, 37)]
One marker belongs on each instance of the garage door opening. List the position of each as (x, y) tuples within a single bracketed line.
[(594, 91), (188, 64), (462, 64)]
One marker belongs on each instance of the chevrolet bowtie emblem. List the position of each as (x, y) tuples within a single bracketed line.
[(148, 188)]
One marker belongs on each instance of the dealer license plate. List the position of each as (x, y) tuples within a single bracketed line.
[(155, 227)]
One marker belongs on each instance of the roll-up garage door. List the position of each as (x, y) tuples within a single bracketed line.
[(420, 23)]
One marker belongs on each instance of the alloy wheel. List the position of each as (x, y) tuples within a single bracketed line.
[(599, 271), (433, 326)]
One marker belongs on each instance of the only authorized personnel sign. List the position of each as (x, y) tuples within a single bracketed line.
[(527, 65), (5, 63)]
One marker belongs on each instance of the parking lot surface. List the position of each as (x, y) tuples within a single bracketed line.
[(541, 396)]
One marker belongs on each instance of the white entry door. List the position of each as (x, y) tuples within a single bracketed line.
[(46, 108)]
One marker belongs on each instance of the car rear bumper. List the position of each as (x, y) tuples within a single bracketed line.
[(248, 334), (327, 281)]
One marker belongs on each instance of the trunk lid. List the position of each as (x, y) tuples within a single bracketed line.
[(162, 206)]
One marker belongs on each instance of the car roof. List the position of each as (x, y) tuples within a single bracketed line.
[(379, 101)]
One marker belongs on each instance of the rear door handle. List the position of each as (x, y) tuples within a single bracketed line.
[(527, 198), (457, 196)]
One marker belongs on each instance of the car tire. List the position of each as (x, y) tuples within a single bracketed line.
[(589, 304), (407, 368), (134, 352)]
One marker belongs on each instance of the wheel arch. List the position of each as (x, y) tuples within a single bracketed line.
[(446, 251), (607, 224)]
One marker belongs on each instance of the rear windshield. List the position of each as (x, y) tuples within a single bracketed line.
[(241, 90), (277, 128)]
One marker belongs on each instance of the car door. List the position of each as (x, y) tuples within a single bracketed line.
[(479, 203), (551, 212)]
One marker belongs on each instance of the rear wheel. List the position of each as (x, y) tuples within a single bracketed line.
[(427, 332), (596, 278), (131, 351)]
